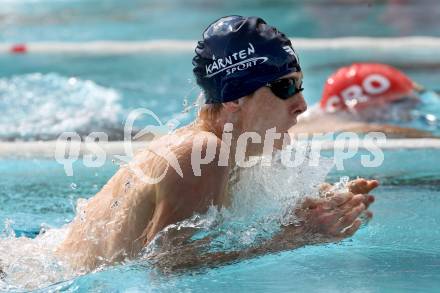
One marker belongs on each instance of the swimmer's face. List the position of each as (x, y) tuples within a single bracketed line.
[(263, 110)]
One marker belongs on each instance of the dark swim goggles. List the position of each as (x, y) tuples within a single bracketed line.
[(286, 87)]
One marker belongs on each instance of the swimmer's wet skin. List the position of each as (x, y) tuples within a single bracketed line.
[(251, 78)]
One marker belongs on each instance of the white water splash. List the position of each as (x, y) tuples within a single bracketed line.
[(30, 263), (41, 106)]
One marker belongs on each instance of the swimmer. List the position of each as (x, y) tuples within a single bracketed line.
[(251, 79), (366, 97)]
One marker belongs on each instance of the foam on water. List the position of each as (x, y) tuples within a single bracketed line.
[(41, 106), (30, 263)]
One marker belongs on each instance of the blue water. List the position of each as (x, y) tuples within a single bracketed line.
[(160, 81), (80, 20), (157, 81), (398, 251)]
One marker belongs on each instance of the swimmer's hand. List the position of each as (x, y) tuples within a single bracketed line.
[(335, 217), (362, 185), (357, 186), (321, 220)]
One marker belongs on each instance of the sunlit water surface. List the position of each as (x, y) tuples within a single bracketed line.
[(42, 95)]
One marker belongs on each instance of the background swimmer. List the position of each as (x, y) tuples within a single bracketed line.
[(365, 97)]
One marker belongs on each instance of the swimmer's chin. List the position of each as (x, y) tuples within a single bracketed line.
[(293, 121)]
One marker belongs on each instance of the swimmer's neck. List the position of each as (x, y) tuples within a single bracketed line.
[(216, 127)]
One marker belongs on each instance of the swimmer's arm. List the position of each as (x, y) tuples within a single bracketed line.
[(323, 220)]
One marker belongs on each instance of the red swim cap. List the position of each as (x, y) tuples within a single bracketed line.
[(364, 84)]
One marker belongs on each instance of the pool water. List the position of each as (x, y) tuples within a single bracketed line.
[(398, 250), (162, 80), (109, 87), (82, 20), (42, 95)]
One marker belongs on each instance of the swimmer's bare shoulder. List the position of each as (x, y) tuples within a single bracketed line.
[(179, 196), (146, 208)]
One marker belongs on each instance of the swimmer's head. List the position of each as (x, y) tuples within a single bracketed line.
[(364, 86), (238, 55), (237, 60)]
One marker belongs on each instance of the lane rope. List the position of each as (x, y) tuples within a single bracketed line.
[(47, 148), (129, 47)]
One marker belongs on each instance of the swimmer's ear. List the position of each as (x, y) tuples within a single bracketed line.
[(232, 106)]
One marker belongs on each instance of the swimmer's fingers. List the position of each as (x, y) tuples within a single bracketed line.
[(348, 219), (362, 185), (338, 200), (368, 199), (357, 199), (368, 214), (327, 204), (311, 208), (352, 229), (333, 223), (336, 217)]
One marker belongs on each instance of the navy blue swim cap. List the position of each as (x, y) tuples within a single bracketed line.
[(238, 55)]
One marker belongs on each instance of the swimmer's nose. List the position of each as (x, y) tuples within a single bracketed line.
[(299, 105)]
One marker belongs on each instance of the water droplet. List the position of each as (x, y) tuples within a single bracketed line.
[(345, 180), (44, 228), (82, 216), (127, 186), (73, 186), (431, 119), (115, 204), (341, 186)]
